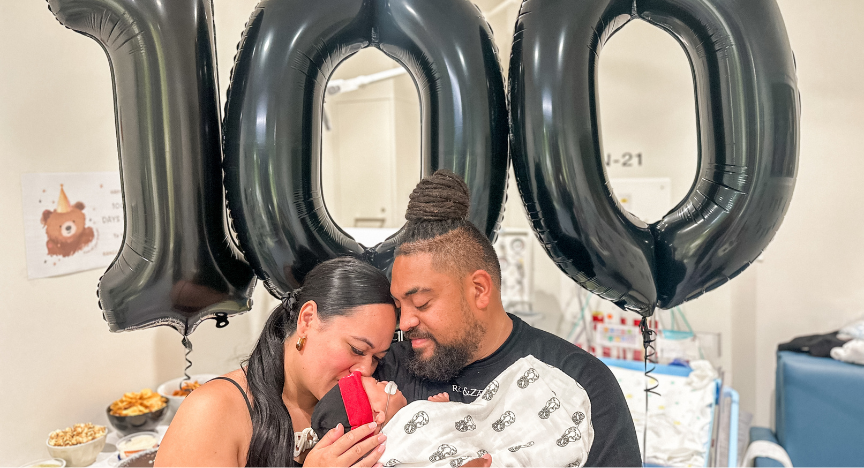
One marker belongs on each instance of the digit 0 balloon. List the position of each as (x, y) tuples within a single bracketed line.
[(274, 115), (748, 117)]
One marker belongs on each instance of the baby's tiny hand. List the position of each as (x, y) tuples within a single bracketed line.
[(440, 398), (484, 461)]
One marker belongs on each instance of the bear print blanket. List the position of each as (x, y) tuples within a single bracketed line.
[(532, 414)]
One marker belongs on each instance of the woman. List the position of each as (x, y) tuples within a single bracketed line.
[(341, 320)]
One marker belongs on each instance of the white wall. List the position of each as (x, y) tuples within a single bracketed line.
[(371, 154), (811, 279), (62, 366)]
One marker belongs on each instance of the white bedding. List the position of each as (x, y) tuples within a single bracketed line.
[(679, 422)]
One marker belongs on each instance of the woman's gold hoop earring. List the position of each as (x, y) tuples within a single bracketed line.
[(300, 343)]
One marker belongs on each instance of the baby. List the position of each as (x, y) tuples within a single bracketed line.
[(529, 415), (357, 400)]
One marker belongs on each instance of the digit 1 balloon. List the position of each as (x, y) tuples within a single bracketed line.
[(177, 265)]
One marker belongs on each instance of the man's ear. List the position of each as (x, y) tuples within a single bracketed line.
[(307, 319), (481, 283)]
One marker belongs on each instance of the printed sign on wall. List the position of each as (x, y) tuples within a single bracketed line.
[(72, 221)]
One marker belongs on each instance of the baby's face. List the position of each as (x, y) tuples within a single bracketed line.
[(378, 400)]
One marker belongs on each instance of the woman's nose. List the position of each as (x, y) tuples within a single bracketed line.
[(365, 366)]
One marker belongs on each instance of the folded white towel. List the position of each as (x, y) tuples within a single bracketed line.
[(852, 351), (764, 448), (854, 330)]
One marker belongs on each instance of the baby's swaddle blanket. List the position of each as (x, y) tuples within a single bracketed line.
[(532, 414)]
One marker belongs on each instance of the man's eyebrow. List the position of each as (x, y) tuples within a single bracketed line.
[(415, 290)]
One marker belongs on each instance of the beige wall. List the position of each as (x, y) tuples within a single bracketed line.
[(811, 279), (62, 366), (371, 154)]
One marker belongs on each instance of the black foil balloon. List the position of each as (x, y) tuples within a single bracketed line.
[(748, 116), (556, 150), (273, 120), (177, 265)]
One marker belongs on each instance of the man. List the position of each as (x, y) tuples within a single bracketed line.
[(446, 281)]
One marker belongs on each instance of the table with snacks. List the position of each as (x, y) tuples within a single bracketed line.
[(137, 423)]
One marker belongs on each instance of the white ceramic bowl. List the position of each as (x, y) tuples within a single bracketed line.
[(143, 459), (167, 388), (46, 462), (78, 455), (126, 452)]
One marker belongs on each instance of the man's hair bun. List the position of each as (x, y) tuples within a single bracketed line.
[(439, 197)]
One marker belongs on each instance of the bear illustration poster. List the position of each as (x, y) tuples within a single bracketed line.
[(72, 221)]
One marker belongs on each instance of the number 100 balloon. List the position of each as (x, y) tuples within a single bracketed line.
[(178, 264)]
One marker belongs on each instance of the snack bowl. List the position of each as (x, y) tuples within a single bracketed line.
[(46, 463), (136, 443), (126, 425), (140, 459), (167, 390), (78, 455)]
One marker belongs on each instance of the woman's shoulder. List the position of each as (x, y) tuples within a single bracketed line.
[(221, 397), (213, 424)]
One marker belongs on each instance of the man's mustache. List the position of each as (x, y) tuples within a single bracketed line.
[(415, 334)]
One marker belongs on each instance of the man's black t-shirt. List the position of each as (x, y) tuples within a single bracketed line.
[(615, 442)]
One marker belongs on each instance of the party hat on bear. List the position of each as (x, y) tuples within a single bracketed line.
[(63, 205)]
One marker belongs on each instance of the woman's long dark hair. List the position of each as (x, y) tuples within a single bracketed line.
[(337, 286)]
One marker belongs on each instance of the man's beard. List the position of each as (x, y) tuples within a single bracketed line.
[(447, 360)]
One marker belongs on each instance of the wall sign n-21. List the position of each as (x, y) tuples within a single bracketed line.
[(625, 160)]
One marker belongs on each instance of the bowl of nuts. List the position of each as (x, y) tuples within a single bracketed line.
[(79, 445), (137, 412)]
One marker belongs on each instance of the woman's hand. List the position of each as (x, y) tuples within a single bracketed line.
[(339, 449)]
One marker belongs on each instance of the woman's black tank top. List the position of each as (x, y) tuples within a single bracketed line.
[(242, 392)]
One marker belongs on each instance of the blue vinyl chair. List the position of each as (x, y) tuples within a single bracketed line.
[(819, 412)]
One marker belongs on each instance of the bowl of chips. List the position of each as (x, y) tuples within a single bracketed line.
[(79, 445), (176, 390), (137, 412)]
